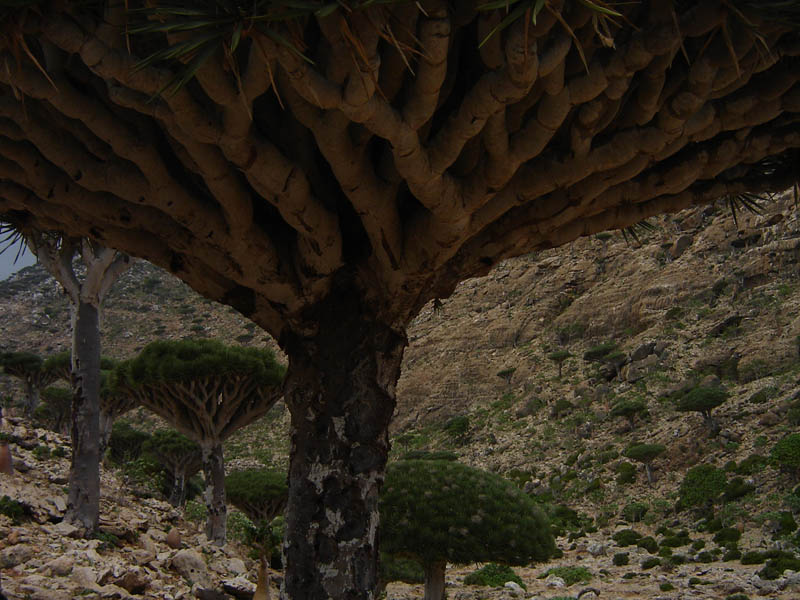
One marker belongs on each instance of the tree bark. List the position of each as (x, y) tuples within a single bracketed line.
[(106, 422), (434, 580), (84, 479), (31, 396), (214, 471), (340, 389), (178, 492)]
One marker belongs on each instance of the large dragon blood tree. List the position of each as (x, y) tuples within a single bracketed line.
[(327, 168), (207, 390)]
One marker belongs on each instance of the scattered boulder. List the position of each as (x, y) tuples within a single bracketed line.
[(190, 564), (16, 555)]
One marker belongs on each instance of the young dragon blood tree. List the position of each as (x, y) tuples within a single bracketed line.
[(31, 370), (261, 494), (179, 456), (207, 390), (439, 512)]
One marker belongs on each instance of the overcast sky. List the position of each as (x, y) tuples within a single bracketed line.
[(7, 265)]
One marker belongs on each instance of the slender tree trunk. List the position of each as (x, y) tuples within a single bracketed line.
[(83, 505), (648, 469), (106, 422), (31, 396), (214, 471), (434, 580), (178, 493), (340, 389)]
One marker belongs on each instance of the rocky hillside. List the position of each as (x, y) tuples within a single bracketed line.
[(701, 299)]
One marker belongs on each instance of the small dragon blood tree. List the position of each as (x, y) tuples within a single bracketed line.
[(437, 512)]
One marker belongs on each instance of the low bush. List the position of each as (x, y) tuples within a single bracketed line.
[(649, 563), (493, 575), (395, 568), (704, 557), (751, 465), (14, 510), (626, 537), (728, 534), (570, 575), (649, 544), (634, 512), (776, 566), (753, 557), (620, 559), (666, 587), (626, 473), (737, 488)]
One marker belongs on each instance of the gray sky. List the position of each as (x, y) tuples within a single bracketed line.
[(7, 265)]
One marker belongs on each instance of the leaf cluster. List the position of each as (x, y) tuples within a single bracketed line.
[(443, 510), (171, 446), (628, 407), (169, 361), (786, 453), (125, 443), (264, 490), (644, 453), (702, 399), (702, 485)]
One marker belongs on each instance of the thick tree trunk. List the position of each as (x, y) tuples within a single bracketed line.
[(649, 470), (434, 581), (214, 471), (340, 389), (83, 505)]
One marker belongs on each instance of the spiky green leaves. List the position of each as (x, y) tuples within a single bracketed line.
[(786, 453), (702, 399), (166, 361), (441, 510), (644, 453), (259, 493), (702, 485)]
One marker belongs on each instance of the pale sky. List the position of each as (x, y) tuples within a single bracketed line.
[(7, 265)]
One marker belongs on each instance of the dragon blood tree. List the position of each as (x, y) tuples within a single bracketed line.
[(442, 511), (179, 456), (329, 168), (28, 368), (206, 390), (56, 408), (261, 494)]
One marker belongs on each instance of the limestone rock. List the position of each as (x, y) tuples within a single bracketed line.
[(15, 555), (173, 539), (190, 564), (60, 566), (239, 587)]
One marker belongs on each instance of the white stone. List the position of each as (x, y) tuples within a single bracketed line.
[(515, 588), (554, 581), (190, 564)]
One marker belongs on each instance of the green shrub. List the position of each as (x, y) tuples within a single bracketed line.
[(786, 453), (620, 559), (776, 566), (634, 512), (675, 541), (737, 597), (59, 452), (561, 407), (704, 557), (14, 510), (626, 537), (649, 544), (599, 352), (456, 426), (629, 408), (666, 587), (125, 443), (493, 575), (737, 488), (753, 557), (626, 473), (702, 485), (41, 452), (649, 563), (698, 545), (732, 552), (726, 535), (751, 465), (429, 455), (396, 568), (195, 511), (240, 528), (702, 399), (570, 575)]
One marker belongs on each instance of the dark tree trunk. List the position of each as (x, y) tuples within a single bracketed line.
[(340, 389), (214, 471), (434, 580), (178, 492), (83, 505), (649, 470)]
